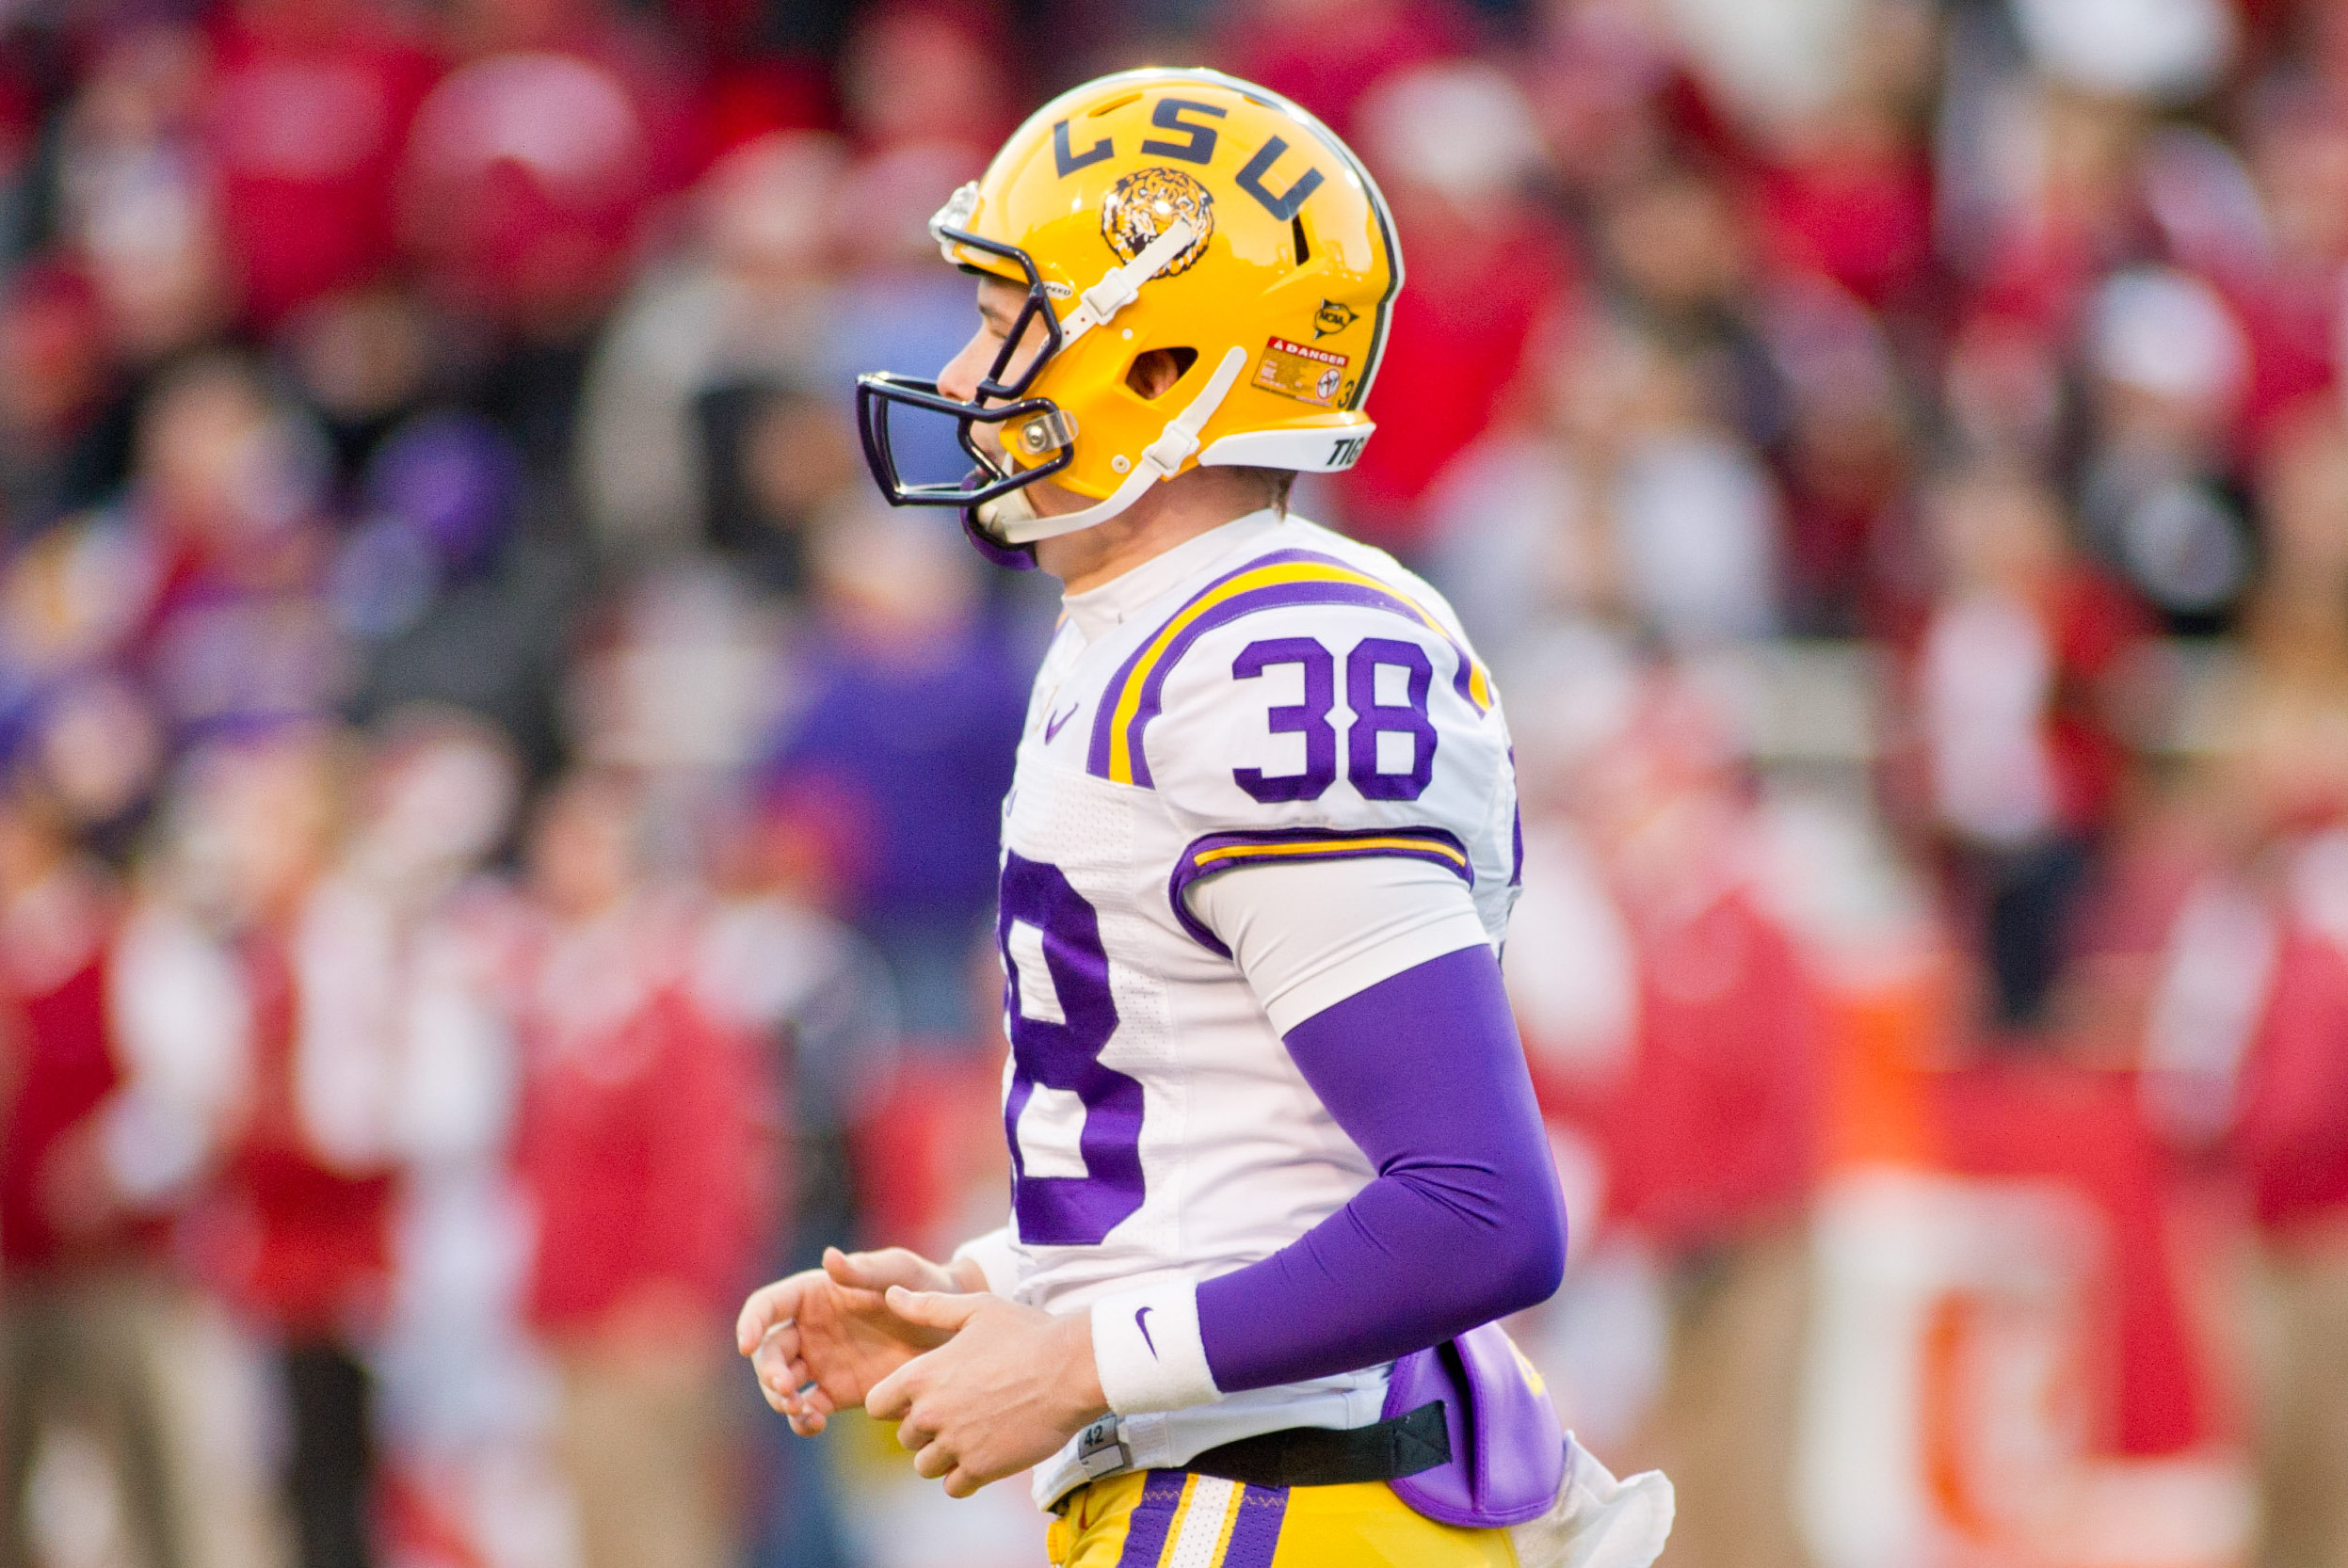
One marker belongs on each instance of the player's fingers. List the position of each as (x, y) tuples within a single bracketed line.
[(878, 1271), (961, 1483), (807, 1424), (891, 1397), (785, 1387), (932, 1461), (932, 1309), (778, 1357), (788, 1394), (768, 1306), (914, 1435)]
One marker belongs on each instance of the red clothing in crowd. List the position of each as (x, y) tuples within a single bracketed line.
[(305, 1245), (1712, 1132), (527, 172), (1329, 57), (1455, 350), (2292, 320), (642, 1130), (1864, 222), (53, 987), (309, 111), (2293, 1136), (2093, 624)]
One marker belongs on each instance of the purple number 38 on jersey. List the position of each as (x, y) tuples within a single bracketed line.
[(1057, 1044)]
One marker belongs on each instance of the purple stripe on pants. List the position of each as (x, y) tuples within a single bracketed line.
[(1145, 1526), (1256, 1533)]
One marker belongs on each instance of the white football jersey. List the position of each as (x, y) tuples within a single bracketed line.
[(1268, 694)]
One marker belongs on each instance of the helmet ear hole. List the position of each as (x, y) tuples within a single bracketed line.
[(1155, 371)]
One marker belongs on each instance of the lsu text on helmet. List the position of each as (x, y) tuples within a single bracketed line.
[(1181, 210)]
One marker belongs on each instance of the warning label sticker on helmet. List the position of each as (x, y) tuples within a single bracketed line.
[(1307, 373)]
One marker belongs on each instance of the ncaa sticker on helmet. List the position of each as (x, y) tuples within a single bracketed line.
[(1181, 210)]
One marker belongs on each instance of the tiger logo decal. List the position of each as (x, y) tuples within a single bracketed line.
[(1140, 206)]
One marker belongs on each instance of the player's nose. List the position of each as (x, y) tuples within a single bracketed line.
[(960, 379)]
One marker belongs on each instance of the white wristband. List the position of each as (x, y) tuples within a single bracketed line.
[(1147, 1348)]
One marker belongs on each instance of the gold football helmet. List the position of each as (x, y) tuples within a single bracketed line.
[(1179, 210)]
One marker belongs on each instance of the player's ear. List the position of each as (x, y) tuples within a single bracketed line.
[(1157, 369)]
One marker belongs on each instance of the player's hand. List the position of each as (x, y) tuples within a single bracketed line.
[(819, 1340), (1010, 1387)]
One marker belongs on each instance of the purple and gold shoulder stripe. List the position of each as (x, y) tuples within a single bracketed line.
[(1136, 693), (1223, 852)]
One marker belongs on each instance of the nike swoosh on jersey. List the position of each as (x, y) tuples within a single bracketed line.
[(1051, 726), (1139, 1315)]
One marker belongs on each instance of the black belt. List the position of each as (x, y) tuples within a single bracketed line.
[(1329, 1456)]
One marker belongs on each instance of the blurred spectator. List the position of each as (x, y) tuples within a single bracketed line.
[(530, 169), (64, 425), (1845, 191), (464, 1398), (2251, 1005), (749, 309), (1675, 1026), (819, 999), (2169, 366), (97, 1155), (1327, 54), (365, 359), (2019, 681), (894, 305), (1845, 460), (1628, 501), (2293, 1109), (2281, 271), (280, 972), (444, 598), (1457, 150), (912, 692), (305, 113), (642, 1150), (226, 529), (772, 964), (959, 51), (139, 209)]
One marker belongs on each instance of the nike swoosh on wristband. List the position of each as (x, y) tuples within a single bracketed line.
[(1052, 727), (1139, 1315)]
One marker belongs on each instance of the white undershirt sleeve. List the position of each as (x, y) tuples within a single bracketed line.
[(998, 1257), (1310, 933)]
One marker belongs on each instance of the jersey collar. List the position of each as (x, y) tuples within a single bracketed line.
[(1096, 609)]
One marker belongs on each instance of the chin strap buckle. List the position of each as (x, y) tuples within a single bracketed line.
[(1161, 459), (1180, 436), (1121, 285)]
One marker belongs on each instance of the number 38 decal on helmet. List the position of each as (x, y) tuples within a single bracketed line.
[(1183, 211)]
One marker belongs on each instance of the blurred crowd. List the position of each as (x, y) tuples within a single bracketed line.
[(497, 822)]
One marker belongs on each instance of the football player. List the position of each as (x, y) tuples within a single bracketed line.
[(1277, 1164)]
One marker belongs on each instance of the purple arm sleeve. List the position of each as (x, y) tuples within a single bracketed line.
[(1463, 1222)]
